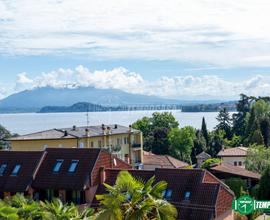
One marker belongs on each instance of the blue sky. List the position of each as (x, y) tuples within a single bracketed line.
[(192, 49)]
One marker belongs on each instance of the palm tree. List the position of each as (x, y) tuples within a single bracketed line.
[(132, 199)]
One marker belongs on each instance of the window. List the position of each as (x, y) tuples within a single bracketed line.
[(16, 170), (118, 141), (187, 195), (235, 163), (81, 145), (73, 166), (125, 140), (57, 166), (240, 163), (2, 169), (167, 194), (99, 144), (92, 144)]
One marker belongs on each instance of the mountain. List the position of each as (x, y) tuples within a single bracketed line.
[(48, 96)]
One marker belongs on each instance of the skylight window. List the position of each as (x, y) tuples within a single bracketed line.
[(57, 166), (2, 169), (16, 170), (187, 195), (73, 166), (167, 194)]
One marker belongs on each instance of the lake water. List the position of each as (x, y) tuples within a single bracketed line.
[(32, 122)]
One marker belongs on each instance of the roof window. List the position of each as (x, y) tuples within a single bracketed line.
[(57, 166)]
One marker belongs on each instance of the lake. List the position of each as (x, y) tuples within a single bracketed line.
[(31, 122)]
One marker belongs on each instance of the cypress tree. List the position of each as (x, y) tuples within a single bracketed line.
[(205, 132)]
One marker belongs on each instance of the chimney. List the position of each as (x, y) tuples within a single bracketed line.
[(223, 148), (115, 126), (129, 128), (65, 133), (109, 130), (127, 160), (103, 127), (87, 132), (102, 175), (74, 127)]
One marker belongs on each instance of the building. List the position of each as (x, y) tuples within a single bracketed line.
[(201, 157), (196, 193), (17, 171), (77, 175), (152, 161), (125, 142), (70, 174), (235, 156), (225, 171)]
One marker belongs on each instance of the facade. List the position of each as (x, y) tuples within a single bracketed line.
[(152, 161), (235, 156), (70, 174), (125, 142), (77, 175)]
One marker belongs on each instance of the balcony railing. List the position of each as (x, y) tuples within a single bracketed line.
[(135, 145)]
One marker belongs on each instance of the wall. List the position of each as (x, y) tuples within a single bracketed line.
[(231, 160), (38, 145)]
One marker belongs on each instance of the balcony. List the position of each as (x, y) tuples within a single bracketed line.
[(135, 145)]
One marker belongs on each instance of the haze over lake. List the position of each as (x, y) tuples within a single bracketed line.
[(32, 122)]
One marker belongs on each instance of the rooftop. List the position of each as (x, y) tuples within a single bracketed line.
[(233, 152), (17, 170), (162, 161), (194, 191), (76, 132), (234, 170)]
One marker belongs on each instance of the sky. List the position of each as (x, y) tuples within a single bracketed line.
[(181, 49)]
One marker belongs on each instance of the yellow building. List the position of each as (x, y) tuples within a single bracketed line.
[(125, 142)]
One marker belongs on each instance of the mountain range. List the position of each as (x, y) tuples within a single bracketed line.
[(35, 99)]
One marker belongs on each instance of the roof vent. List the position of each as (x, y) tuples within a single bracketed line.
[(74, 127), (103, 127)]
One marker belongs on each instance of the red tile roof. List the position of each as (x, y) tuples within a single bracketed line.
[(203, 194), (162, 161), (47, 179), (29, 162), (233, 152), (234, 170)]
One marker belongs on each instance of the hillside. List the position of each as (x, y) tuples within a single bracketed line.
[(37, 98)]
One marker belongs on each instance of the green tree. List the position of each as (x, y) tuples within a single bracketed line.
[(204, 131), (239, 119), (164, 119), (237, 185), (258, 158), (199, 145), (224, 122), (155, 127), (207, 164), (264, 189), (265, 130), (160, 144), (132, 199), (4, 134), (217, 140), (182, 142)]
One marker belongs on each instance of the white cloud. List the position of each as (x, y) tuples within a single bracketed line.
[(178, 87), (219, 32)]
